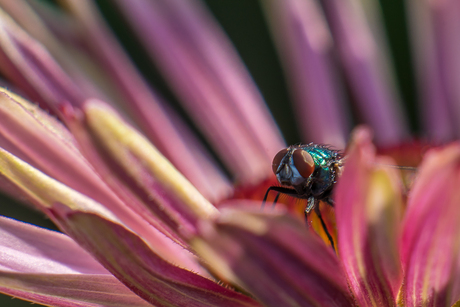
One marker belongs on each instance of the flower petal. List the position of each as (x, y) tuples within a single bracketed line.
[(44, 191), (368, 210), (138, 267), (144, 104), (206, 73), (47, 267), (30, 66), (431, 232), (305, 44), (69, 290), (366, 67), (157, 182), (434, 25), (275, 258)]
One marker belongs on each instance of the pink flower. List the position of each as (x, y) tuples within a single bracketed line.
[(148, 217)]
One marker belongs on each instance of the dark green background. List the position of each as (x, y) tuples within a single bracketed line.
[(244, 23)]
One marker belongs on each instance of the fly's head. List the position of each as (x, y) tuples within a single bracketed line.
[(293, 166)]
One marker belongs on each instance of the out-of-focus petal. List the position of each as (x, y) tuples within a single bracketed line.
[(203, 68), (431, 232), (29, 249), (30, 66), (305, 45), (44, 191), (69, 290), (275, 258), (132, 261), (434, 27), (368, 210), (75, 63), (49, 268), (364, 64), (144, 105)]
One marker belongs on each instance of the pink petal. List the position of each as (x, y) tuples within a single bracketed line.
[(368, 208), (43, 192), (48, 267), (305, 44), (432, 231), (275, 258), (144, 173), (29, 66), (434, 26), (143, 104), (365, 66), (140, 268), (203, 68)]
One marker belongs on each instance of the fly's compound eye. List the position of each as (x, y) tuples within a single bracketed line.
[(278, 158), (303, 162)]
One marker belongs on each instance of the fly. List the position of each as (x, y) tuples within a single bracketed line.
[(308, 172)]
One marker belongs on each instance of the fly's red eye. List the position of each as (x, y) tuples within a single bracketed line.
[(303, 162), (277, 159)]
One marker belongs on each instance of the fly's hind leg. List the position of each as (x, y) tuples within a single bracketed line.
[(313, 204)]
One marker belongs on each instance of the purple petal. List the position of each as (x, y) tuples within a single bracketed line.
[(203, 68), (143, 104), (149, 175), (48, 267), (275, 258), (435, 25), (305, 45), (429, 244), (368, 208), (44, 191), (29, 65), (364, 62), (140, 268)]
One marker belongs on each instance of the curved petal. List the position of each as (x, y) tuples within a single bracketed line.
[(134, 263), (366, 66), (205, 71), (431, 234), (48, 267), (305, 44), (275, 258), (368, 211), (142, 168), (44, 191), (143, 103)]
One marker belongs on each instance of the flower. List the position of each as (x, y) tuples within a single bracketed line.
[(156, 224)]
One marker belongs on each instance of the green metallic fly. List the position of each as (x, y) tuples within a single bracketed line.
[(308, 172)]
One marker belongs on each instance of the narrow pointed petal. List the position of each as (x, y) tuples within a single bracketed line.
[(40, 140), (47, 267), (365, 66), (75, 63), (431, 232), (148, 173), (275, 258), (203, 68), (29, 65), (44, 191), (144, 104), (368, 210), (434, 25), (305, 44), (132, 261)]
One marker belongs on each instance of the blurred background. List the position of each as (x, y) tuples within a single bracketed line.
[(245, 24)]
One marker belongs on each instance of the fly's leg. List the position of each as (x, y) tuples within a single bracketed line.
[(276, 199), (314, 204), (280, 190)]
